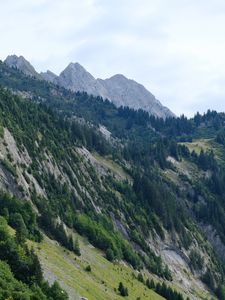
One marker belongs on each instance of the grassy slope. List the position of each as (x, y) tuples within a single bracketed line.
[(109, 164), (100, 283), (207, 145)]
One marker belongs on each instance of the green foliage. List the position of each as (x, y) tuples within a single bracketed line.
[(220, 292), (167, 292), (76, 248), (20, 213), (143, 142), (110, 254), (197, 261), (55, 291), (150, 283), (88, 268), (122, 290), (21, 276), (99, 236), (9, 167), (21, 230), (10, 288)]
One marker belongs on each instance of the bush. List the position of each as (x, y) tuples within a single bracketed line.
[(88, 268)]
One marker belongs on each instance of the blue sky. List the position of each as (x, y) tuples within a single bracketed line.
[(176, 48)]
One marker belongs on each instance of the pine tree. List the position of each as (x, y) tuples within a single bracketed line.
[(123, 290), (76, 247), (21, 230), (36, 267)]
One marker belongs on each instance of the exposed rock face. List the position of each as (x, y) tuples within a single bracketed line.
[(49, 76), (20, 63), (118, 89), (76, 78), (126, 92)]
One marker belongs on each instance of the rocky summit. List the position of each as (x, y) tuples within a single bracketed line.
[(108, 202), (118, 89), (20, 63)]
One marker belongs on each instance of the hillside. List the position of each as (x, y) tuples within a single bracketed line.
[(118, 89), (128, 183)]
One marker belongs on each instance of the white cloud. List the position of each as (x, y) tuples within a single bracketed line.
[(175, 48)]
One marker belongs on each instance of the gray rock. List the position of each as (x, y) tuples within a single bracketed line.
[(76, 78), (20, 63), (127, 92), (49, 76), (118, 89)]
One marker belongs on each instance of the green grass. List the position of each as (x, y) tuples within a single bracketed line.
[(207, 145), (113, 167), (198, 145), (101, 283)]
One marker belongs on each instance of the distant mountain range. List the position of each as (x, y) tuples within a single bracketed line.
[(118, 89)]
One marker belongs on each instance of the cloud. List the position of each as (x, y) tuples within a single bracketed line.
[(175, 48)]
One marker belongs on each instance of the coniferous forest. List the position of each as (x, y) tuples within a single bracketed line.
[(167, 184)]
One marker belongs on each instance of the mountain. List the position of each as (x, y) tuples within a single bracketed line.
[(20, 63), (118, 89), (48, 76), (126, 92), (100, 190), (76, 78)]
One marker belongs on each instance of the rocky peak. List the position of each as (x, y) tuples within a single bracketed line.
[(20, 63), (76, 78), (118, 89), (126, 92), (49, 76)]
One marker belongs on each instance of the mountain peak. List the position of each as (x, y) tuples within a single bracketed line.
[(76, 78), (76, 68), (76, 65), (118, 88), (20, 63)]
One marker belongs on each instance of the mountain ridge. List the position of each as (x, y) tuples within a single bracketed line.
[(117, 89), (137, 196)]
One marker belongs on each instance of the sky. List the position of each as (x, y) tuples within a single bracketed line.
[(175, 48)]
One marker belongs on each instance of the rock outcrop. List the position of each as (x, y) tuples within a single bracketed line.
[(118, 89)]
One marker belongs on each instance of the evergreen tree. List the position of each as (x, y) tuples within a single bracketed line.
[(122, 290), (21, 230), (77, 247)]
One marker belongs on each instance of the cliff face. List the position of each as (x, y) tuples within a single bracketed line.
[(20, 63), (118, 89), (126, 92), (68, 158)]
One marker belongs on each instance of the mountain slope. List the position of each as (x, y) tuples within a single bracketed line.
[(126, 92), (118, 89), (140, 196), (76, 78), (100, 283), (48, 76), (21, 64)]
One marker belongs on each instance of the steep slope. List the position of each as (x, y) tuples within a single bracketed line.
[(126, 92), (118, 89), (76, 78), (140, 196), (48, 76), (47, 163), (103, 280), (20, 63)]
